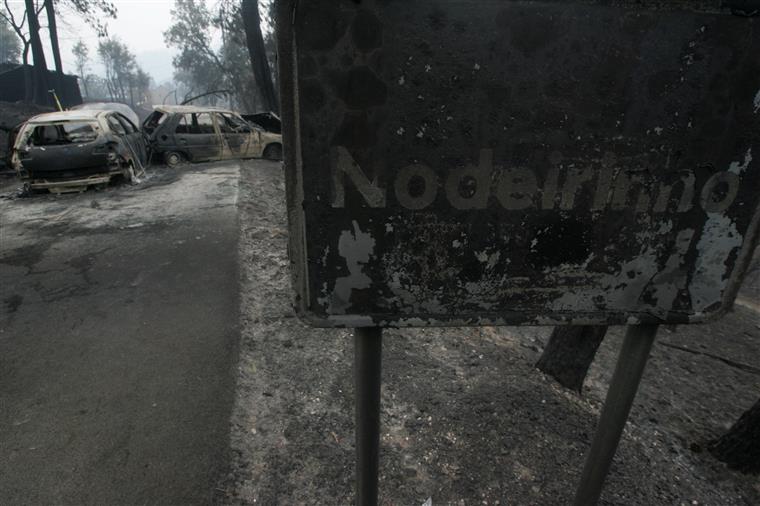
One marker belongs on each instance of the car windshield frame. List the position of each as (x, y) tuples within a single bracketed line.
[(233, 122)]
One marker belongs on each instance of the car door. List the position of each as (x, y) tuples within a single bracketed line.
[(236, 136), (254, 131), (134, 139), (197, 137)]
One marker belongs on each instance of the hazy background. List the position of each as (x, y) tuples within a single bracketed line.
[(140, 25)]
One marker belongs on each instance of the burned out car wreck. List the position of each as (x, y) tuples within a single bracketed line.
[(182, 133), (74, 149)]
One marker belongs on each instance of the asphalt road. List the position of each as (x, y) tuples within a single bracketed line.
[(118, 339)]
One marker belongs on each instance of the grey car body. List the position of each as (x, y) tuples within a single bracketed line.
[(198, 134), (77, 148)]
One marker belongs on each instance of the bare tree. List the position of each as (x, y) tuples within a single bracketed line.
[(255, 42), (40, 84), (53, 31), (18, 24), (10, 44), (95, 13), (125, 80), (81, 57), (27, 28)]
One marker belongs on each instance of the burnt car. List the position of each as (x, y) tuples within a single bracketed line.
[(180, 133), (269, 121), (67, 149)]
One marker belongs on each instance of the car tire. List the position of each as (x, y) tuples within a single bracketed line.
[(273, 152), (173, 158)]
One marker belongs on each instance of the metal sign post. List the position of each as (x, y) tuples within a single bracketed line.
[(480, 162), (368, 344), (620, 394)]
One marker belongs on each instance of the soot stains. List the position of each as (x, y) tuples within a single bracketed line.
[(367, 32), (360, 88), (558, 240), (472, 271), (355, 132), (312, 97), (437, 19), (322, 26), (527, 35)]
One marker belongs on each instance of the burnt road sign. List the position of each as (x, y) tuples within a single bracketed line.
[(524, 162)]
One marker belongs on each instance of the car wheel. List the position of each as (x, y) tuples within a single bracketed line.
[(173, 158), (273, 152)]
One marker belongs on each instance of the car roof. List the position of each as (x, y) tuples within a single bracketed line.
[(78, 115), (183, 109), (110, 106), (102, 106)]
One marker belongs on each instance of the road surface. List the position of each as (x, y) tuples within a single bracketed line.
[(118, 337)]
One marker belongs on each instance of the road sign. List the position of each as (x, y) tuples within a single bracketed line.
[(539, 163)]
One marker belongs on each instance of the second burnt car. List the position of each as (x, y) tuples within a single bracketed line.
[(73, 149), (269, 121), (179, 133)]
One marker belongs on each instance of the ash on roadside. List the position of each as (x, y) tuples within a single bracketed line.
[(466, 418)]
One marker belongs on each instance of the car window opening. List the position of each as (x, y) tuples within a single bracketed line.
[(116, 125), (63, 133), (128, 126), (155, 119), (229, 123), (195, 123)]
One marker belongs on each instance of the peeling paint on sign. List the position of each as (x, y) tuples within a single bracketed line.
[(523, 162), (356, 248)]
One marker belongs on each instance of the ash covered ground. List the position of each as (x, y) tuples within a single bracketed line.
[(466, 418)]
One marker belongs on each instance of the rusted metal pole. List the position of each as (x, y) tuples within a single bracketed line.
[(620, 394), (368, 345)]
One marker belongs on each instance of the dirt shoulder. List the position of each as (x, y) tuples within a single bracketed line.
[(465, 416)]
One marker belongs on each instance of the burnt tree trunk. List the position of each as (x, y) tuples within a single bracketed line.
[(53, 29), (255, 42), (569, 353), (28, 77), (84, 83), (40, 84), (739, 448)]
